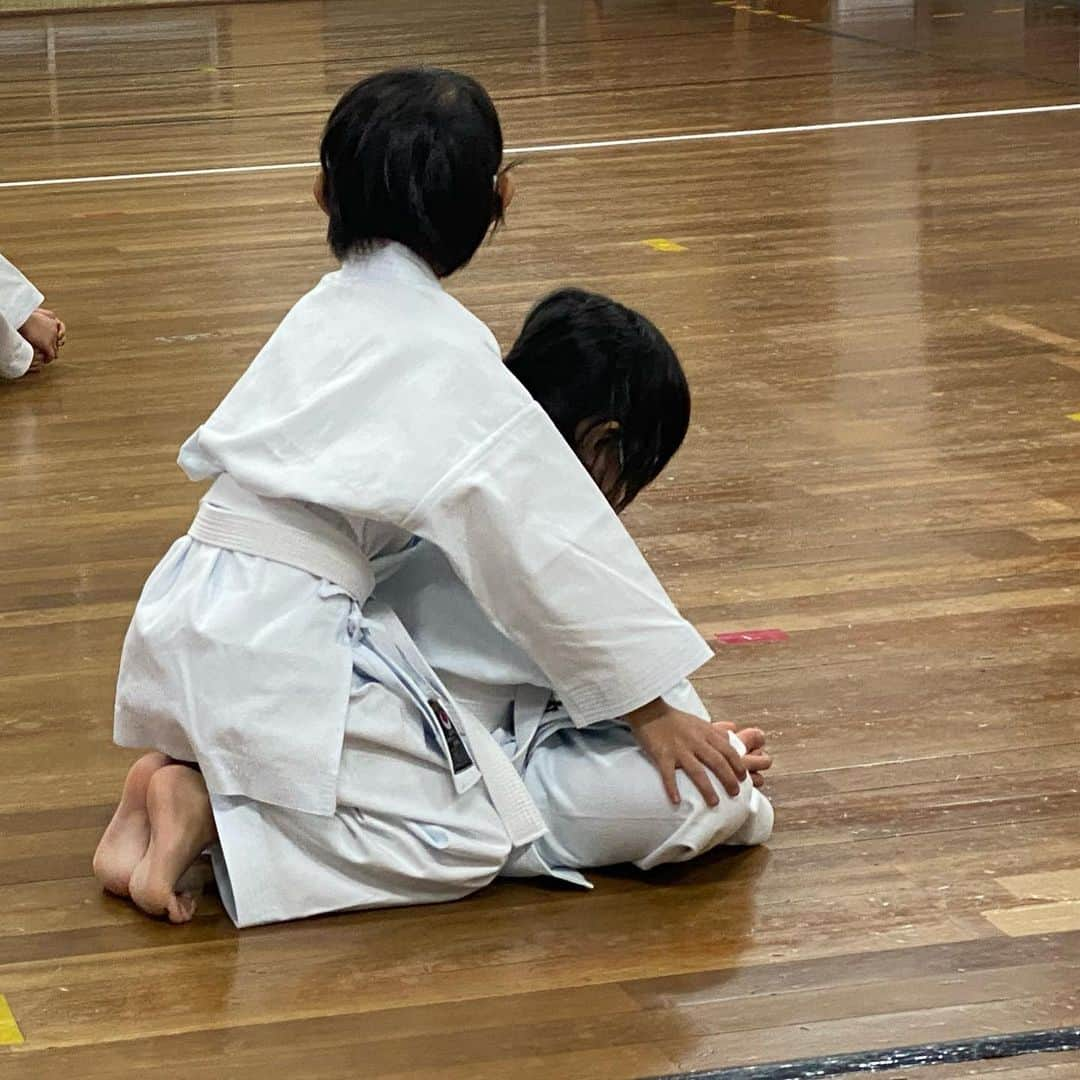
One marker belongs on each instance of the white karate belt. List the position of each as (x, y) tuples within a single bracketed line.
[(327, 555)]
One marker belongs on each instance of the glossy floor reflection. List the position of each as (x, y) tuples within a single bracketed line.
[(882, 333)]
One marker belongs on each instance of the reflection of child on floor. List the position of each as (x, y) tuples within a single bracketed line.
[(30, 335)]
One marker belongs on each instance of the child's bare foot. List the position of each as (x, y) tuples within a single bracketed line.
[(46, 333), (128, 834), (181, 826), (61, 329)]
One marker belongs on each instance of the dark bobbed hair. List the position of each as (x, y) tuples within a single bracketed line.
[(413, 155), (588, 360)]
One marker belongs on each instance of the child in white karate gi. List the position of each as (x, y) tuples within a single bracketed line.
[(379, 411), (30, 335), (614, 388)]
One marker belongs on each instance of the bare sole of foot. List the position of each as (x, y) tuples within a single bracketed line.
[(181, 826), (127, 837), (197, 877)]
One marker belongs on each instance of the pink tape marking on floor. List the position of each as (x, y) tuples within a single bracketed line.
[(750, 637)]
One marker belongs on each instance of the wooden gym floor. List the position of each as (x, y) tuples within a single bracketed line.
[(882, 332)]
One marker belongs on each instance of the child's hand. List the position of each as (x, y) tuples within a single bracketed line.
[(677, 740), (757, 759)]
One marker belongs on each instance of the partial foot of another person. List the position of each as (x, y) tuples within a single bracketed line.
[(61, 329), (127, 837), (46, 333), (181, 827)]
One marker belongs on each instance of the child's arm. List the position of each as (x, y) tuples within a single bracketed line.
[(394, 411), (529, 533)]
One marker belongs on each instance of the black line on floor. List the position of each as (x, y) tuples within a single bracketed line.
[(898, 1057)]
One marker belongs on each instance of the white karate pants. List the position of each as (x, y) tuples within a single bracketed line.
[(403, 835)]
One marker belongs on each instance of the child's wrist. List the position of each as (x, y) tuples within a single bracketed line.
[(645, 713)]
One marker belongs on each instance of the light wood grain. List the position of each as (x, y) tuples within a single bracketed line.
[(1037, 918)]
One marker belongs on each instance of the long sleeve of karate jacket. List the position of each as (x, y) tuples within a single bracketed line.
[(18, 299), (380, 397)]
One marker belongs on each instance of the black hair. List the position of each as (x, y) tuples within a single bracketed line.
[(587, 361), (413, 155)]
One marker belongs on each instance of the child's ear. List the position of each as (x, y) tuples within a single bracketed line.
[(592, 435), (598, 449), (319, 191), (506, 188)]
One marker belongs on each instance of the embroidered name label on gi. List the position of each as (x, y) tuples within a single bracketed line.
[(459, 756)]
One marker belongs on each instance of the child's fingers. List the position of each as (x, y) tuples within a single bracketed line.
[(671, 785), (697, 774), (721, 768), (723, 725), (719, 741), (758, 761), (752, 738)]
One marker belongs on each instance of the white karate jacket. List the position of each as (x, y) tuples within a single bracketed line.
[(382, 403)]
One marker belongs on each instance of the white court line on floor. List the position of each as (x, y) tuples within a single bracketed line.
[(598, 144)]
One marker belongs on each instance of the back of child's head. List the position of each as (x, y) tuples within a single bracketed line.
[(601, 369), (413, 155)]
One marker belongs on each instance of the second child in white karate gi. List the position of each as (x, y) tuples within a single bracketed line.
[(616, 391)]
